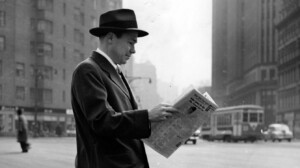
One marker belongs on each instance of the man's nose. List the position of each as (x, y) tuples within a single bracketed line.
[(132, 50)]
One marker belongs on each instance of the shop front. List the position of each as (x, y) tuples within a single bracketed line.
[(41, 122), (7, 124)]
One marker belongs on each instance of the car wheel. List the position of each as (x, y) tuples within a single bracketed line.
[(289, 140), (279, 140)]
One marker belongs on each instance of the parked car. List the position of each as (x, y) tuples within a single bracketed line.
[(278, 132), (194, 137)]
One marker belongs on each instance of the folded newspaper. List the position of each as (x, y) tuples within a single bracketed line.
[(195, 109)]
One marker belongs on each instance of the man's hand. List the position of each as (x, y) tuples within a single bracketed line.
[(161, 112)]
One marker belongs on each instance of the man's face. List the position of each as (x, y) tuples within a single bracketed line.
[(123, 47)]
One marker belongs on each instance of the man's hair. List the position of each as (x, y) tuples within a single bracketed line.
[(117, 33)]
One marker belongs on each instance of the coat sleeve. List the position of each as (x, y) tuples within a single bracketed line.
[(90, 94)]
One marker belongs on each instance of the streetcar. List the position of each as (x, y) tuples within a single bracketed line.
[(235, 123)]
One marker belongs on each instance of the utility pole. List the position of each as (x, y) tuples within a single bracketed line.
[(37, 76)]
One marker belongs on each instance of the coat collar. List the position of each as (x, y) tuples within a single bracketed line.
[(107, 67)]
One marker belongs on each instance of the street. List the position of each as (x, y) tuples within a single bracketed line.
[(60, 152)]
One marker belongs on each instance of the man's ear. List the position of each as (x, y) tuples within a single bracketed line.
[(110, 37)]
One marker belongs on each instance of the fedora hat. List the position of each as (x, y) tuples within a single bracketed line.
[(116, 21)]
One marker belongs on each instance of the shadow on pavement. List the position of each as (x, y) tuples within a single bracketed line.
[(11, 153)]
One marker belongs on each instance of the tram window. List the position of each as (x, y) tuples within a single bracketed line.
[(245, 117), (260, 117), (224, 119), (253, 117)]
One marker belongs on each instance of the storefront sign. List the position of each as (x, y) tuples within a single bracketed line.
[(8, 108)]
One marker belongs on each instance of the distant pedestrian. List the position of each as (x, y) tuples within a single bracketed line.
[(22, 135)]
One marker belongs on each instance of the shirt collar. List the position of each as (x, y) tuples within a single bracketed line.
[(107, 57)]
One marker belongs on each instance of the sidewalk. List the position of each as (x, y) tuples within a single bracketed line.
[(44, 153)]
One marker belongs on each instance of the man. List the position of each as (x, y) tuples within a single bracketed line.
[(108, 124), (22, 136)]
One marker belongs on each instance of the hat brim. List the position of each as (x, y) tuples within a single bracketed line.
[(98, 31)]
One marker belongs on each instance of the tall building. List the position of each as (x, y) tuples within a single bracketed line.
[(288, 48), (41, 42), (244, 58), (219, 51)]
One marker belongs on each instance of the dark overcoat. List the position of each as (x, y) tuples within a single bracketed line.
[(22, 129), (109, 126)]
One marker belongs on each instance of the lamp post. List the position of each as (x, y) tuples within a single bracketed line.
[(37, 76)]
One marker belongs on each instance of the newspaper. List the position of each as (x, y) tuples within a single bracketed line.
[(195, 109)]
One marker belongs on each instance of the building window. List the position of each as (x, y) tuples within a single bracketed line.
[(78, 16), (47, 96), (272, 74), (245, 117), (32, 70), (263, 74), (64, 52), (64, 74), (32, 94), (45, 5), (64, 9), (32, 47), (64, 31), (93, 21), (2, 18), (45, 26), (64, 96), (78, 56), (20, 69), (78, 37), (20, 93), (2, 43), (45, 49)]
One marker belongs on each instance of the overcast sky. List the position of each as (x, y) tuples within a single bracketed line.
[(179, 44)]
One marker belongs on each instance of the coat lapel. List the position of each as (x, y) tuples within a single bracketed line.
[(133, 102), (104, 64)]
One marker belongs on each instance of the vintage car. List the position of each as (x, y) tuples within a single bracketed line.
[(278, 132), (194, 137)]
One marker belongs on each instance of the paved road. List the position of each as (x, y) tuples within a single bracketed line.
[(60, 153)]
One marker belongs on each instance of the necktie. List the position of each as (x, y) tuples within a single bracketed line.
[(125, 84), (122, 77), (119, 70)]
